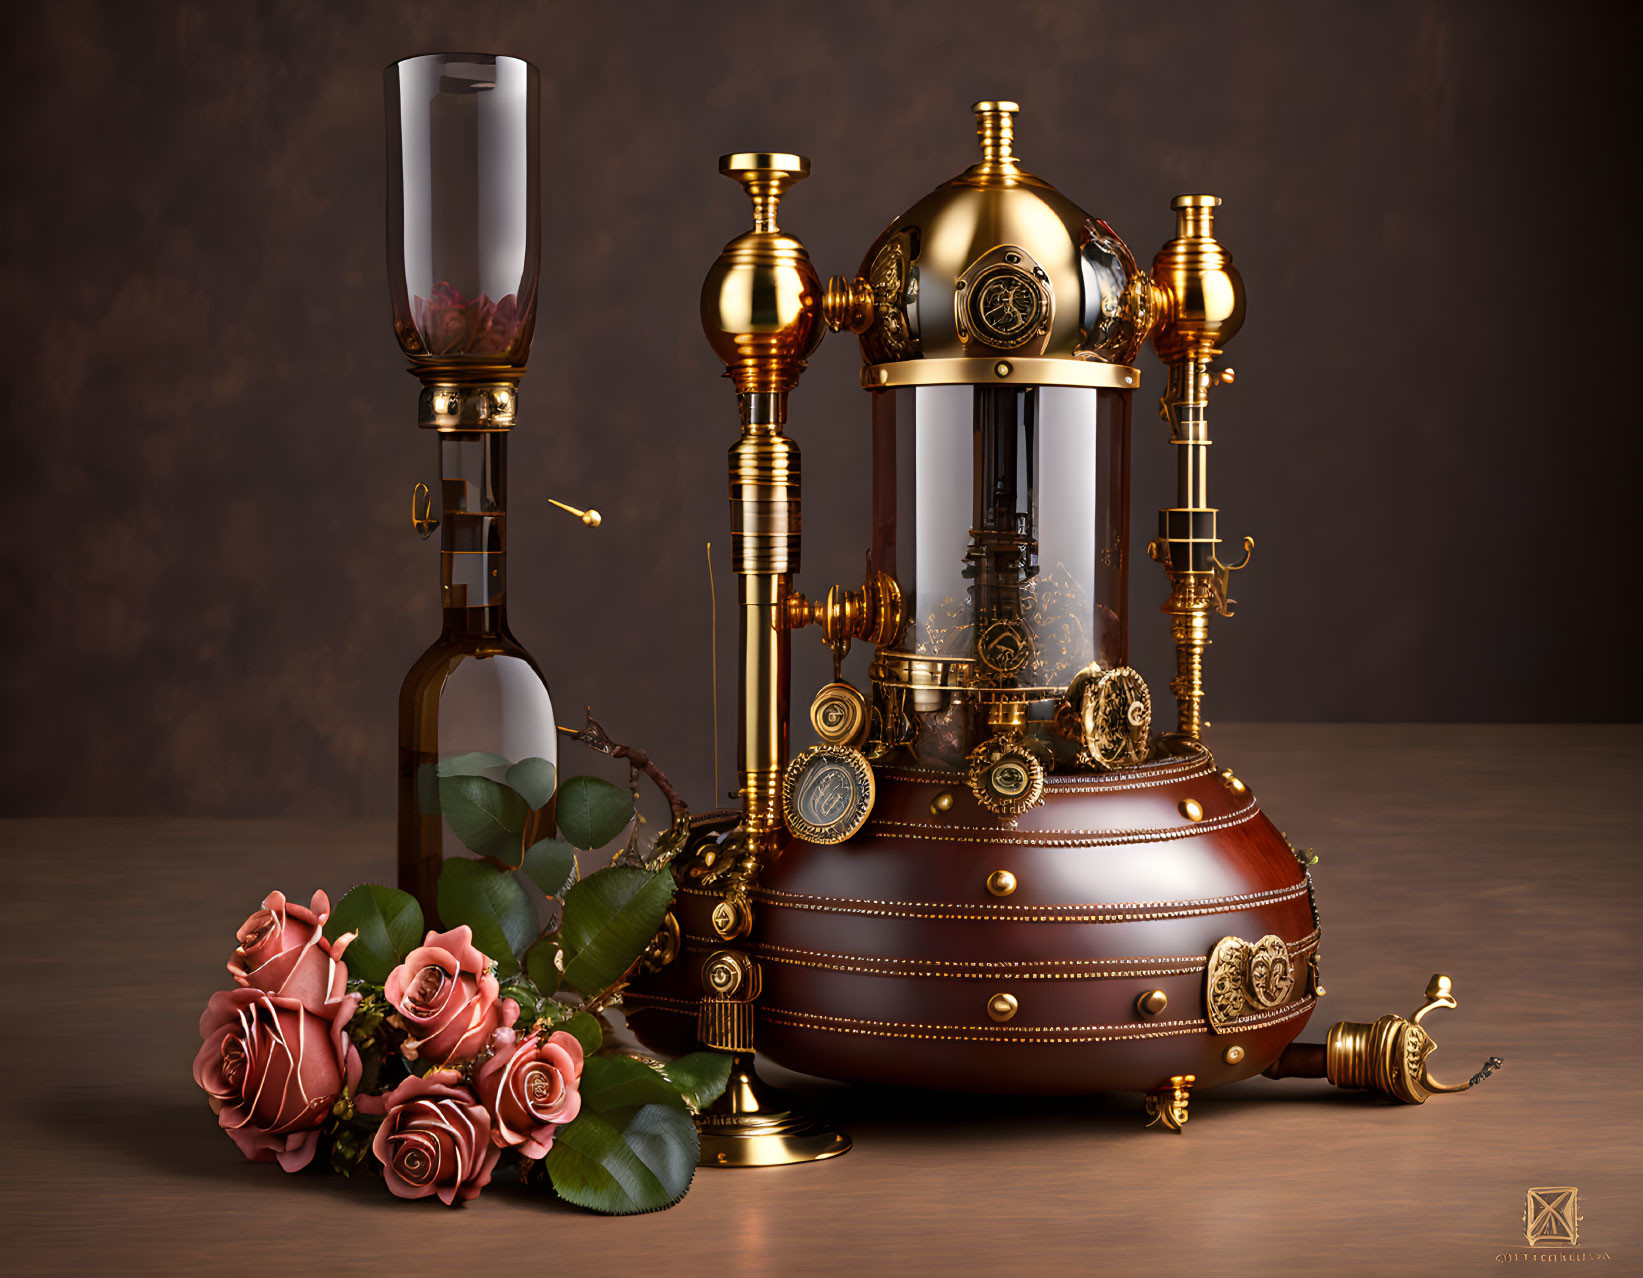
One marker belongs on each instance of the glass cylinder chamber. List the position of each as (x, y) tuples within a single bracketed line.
[(1003, 514)]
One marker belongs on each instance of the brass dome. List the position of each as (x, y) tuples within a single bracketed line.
[(996, 264)]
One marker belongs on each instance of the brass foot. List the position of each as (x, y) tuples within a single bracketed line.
[(753, 1125), (1167, 1106)]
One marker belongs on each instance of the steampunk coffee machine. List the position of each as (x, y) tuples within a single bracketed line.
[(989, 875)]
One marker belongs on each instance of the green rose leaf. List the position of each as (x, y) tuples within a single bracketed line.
[(526, 995), (625, 1162), (491, 902), (701, 1076), (533, 780), (476, 763), (584, 1028), (389, 926), (542, 963), (488, 817), (610, 917), (592, 812), (620, 1082), (551, 865)]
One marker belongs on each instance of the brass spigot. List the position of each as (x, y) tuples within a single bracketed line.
[(1389, 1056)]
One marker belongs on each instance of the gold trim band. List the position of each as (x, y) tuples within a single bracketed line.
[(995, 371)]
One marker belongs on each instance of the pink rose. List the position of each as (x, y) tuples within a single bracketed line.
[(283, 950), (529, 1088), (273, 1069), (435, 1138), (445, 993)]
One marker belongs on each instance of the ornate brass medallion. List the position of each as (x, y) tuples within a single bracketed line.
[(1004, 646), (1243, 976), (1115, 719), (827, 794), (1006, 778), (888, 277), (1006, 307), (839, 715)]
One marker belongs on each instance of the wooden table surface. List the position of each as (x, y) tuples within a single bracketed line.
[(1505, 856)]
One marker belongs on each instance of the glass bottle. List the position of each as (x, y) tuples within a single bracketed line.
[(464, 231), (476, 689)]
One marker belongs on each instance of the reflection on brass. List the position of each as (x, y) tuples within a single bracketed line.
[(1001, 1007), (827, 794), (592, 518), (1151, 1003), (839, 715), (1233, 1054), (1115, 719), (1192, 809), (1167, 1106), (480, 406), (754, 1125), (1390, 1055), (1232, 782), (422, 512), (1001, 883), (1243, 977), (943, 802), (1006, 778)]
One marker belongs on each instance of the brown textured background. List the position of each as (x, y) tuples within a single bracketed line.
[(211, 587)]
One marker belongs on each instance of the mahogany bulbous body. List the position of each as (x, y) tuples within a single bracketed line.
[(883, 958)]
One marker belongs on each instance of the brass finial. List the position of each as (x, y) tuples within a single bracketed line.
[(995, 126), (765, 175)]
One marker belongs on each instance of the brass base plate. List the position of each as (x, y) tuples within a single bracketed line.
[(767, 1140)]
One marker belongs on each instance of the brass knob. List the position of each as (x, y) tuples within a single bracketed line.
[(732, 918), (1001, 1007), (1233, 1054), (943, 802), (1001, 883), (1151, 1004), (1192, 810)]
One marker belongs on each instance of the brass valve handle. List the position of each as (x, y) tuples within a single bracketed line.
[(873, 614)]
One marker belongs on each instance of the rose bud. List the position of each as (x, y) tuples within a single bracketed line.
[(283, 950), (273, 1069), (448, 998), (529, 1088), (434, 1139)]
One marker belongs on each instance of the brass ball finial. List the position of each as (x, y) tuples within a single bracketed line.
[(761, 301), (1203, 292), (995, 126)]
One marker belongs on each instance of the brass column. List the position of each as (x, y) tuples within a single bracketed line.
[(761, 310), (1202, 307)]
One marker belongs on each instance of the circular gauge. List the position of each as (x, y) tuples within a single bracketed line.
[(839, 715), (1006, 306), (1006, 778)]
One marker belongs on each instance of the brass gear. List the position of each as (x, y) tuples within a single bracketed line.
[(1005, 776)]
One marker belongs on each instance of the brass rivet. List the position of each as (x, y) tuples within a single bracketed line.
[(1233, 1054), (1002, 368), (943, 802), (1192, 809), (1001, 1007), (1001, 883), (1151, 1003)]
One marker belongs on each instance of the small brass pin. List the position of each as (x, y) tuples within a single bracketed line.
[(592, 518)]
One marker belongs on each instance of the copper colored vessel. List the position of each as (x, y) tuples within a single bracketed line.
[(990, 873)]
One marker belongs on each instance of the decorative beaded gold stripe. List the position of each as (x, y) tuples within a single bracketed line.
[(1013, 1036), (1093, 783), (662, 1002), (1129, 912), (1022, 970), (944, 833)]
